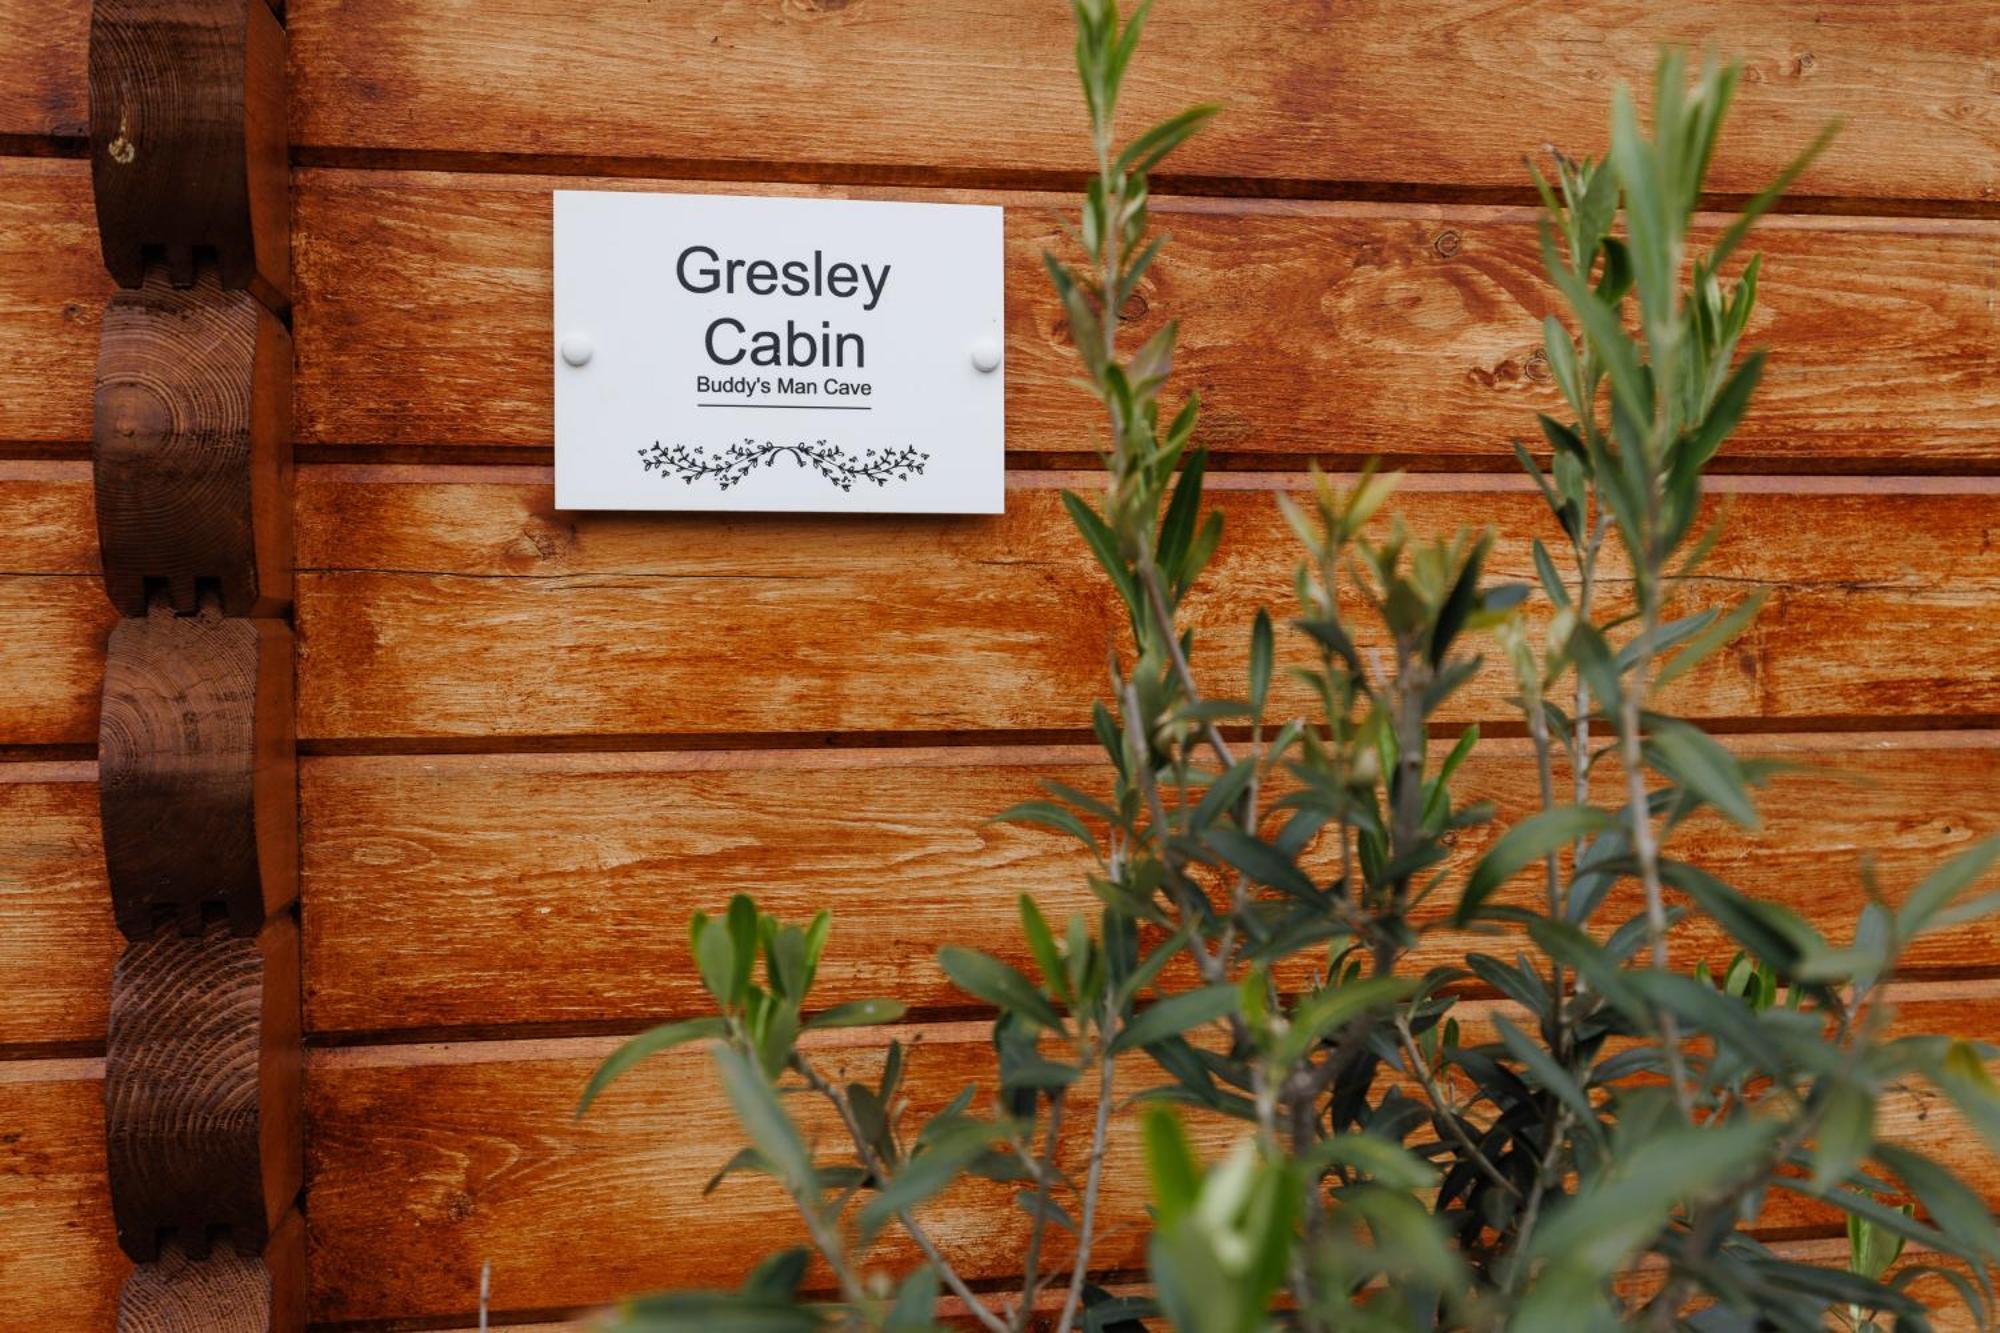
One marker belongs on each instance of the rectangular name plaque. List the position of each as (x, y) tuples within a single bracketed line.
[(750, 353)]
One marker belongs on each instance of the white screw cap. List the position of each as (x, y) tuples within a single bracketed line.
[(577, 347), (986, 355)]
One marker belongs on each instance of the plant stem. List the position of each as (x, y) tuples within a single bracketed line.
[(1031, 1275), (869, 1159), (1421, 1071), (1099, 1137), (1646, 847)]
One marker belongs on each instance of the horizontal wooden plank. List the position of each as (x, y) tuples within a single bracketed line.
[(52, 606), (446, 607), (44, 73), (1334, 330), (52, 291), (436, 610), (474, 892), (58, 943), (60, 1266), (439, 1158), (429, 1160), (1359, 94)]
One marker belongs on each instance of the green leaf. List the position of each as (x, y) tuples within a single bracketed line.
[(662, 1038), (915, 1310), (1261, 652), (1388, 1164), (1943, 884), (1174, 1015), (778, 1275), (1715, 636), (1325, 1011), (1726, 412), (715, 960), (1103, 543), (1962, 1076), (1170, 1165), (928, 1173), (1623, 1209), (1521, 846), (1262, 862), (771, 1131), (1552, 1076), (1458, 604), (717, 1312), (858, 1014), (1050, 815), (1042, 944), (1145, 152), (1846, 1132), (743, 919), (1223, 793), (1952, 1205), (993, 981), (1699, 766)]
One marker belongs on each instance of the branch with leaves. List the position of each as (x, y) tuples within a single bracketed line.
[(1511, 1143)]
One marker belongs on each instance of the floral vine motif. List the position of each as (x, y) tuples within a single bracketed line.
[(734, 462)]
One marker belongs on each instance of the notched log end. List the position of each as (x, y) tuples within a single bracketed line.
[(197, 781), (223, 1292)]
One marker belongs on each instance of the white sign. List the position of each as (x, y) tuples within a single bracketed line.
[(722, 352)]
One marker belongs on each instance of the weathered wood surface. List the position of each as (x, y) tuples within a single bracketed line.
[(188, 145), (57, 941), (223, 1292), (44, 77), (60, 1266), (465, 610), (437, 888), (456, 607), (1405, 331), (192, 454), (53, 606), (1358, 94), (428, 1160), (52, 291), (195, 751), (440, 890), (202, 1075)]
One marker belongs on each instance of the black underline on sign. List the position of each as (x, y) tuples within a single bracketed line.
[(792, 407)]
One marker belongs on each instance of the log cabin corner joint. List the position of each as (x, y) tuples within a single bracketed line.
[(192, 465)]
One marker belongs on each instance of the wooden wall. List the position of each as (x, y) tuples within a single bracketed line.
[(534, 741)]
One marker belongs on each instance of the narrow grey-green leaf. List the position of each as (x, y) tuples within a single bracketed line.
[(1174, 1015), (857, 1014), (987, 978), (651, 1042), (1524, 844), (771, 1131)]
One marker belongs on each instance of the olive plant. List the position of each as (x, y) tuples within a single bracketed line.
[(1564, 1132)]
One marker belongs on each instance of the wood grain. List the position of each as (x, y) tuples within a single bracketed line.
[(1317, 96), (192, 456), (57, 941), (427, 1161), (436, 611), (195, 751), (44, 88), (52, 290), (1330, 330), (201, 1090), (53, 606), (222, 1292), (188, 146), (439, 891), (60, 1266)]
